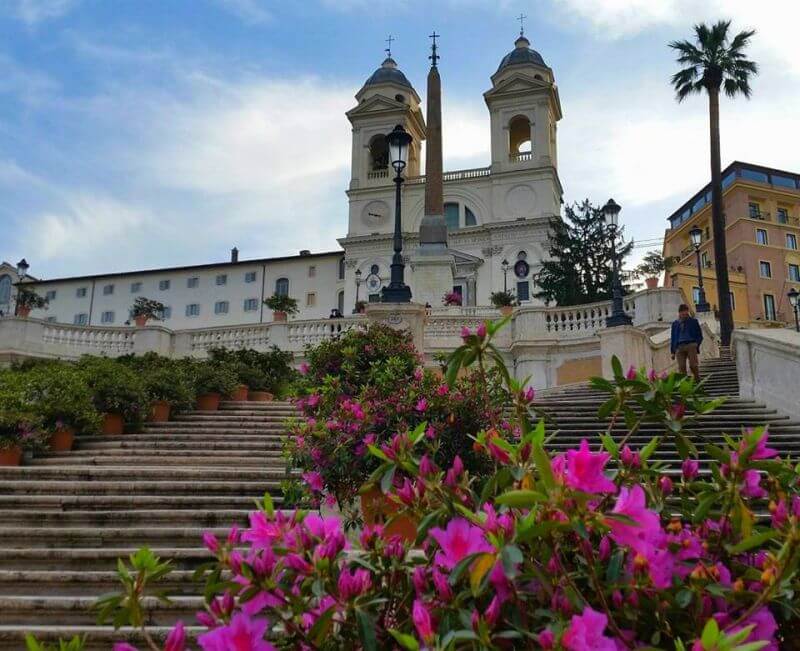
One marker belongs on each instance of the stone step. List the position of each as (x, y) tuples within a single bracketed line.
[(184, 443), (100, 536), (117, 518), (271, 462), (229, 426), (140, 473), (79, 583), (128, 503), (71, 487), (178, 434), (99, 638), (96, 558)]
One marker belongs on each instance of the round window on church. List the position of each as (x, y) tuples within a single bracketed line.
[(400, 98)]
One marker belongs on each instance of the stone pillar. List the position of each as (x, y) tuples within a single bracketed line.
[(401, 316), (153, 339), (631, 345)]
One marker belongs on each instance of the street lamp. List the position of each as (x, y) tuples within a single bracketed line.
[(504, 267), (397, 291), (22, 268), (793, 296), (358, 288), (696, 236), (618, 317)]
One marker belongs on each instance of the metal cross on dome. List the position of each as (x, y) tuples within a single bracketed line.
[(389, 49), (434, 57), (521, 18)]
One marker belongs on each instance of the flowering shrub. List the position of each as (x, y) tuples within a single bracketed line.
[(452, 298), (593, 548)]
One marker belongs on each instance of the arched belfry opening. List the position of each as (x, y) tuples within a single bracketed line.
[(378, 153), (519, 135)]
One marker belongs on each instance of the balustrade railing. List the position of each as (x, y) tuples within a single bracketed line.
[(237, 337), (378, 174), (582, 320), (521, 156), (304, 333), (458, 175), (89, 339)]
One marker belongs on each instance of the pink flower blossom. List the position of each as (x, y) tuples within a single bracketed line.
[(665, 485), (585, 633), (647, 530), (354, 584), (529, 394), (419, 579), (312, 400), (751, 485), (418, 374), (451, 478), (124, 646), (304, 368), (677, 411), (426, 466), (242, 634), (631, 374), (585, 470), (422, 405), (314, 481), (465, 332), (630, 458), (442, 390), (176, 640), (492, 614), (211, 542), (765, 628), (761, 450), (690, 469), (442, 585), (780, 514), (423, 621), (457, 541), (481, 331), (547, 640)]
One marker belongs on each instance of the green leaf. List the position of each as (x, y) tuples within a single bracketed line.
[(366, 630), (321, 627), (542, 461), (610, 445), (615, 566), (684, 598), (521, 499), (269, 507), (647, 450), (704, 506), (387, 479), (405, 640), (756, 540), (616, 367), (710, 634)]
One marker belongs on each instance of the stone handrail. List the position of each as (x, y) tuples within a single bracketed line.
[(96, 340), (309, 332), (580, 320), (458, 175), (236, 337)]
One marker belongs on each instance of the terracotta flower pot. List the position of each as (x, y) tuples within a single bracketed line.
[(240, 394), (11, 456), (62, 439), (113, 424), (23, 311), (159, 411), (505, 310), (279, 316), (651, 283), (259, 396), (208, 402), (377, 508), (141, 321)]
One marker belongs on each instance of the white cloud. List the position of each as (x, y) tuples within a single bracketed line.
[(29, 86), (252, 12), (35, 11)]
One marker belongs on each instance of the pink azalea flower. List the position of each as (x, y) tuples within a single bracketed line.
[(242, 634), (426, 466), (665, 485), (211, 542), (418, 374), (690, 469), (631, 374), (585, 633), (465, 332), (765, 628), (677, 411), (630, 458), (124, 646), (780, 514), (751, 486), (442, 585), (547, 640), (262, 532), (314, 481), (481, 331), (451, 478), (585, 470), (422, 621), (457, 541), (442, 390), (312, 400), (422, 405), (354, 584), (176, 640), (529, 394), (304, 368), (761, 450), (647, 530)]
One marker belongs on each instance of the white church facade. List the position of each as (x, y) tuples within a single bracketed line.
[(493, 214)]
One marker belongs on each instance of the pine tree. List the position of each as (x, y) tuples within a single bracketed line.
[(580, 266)]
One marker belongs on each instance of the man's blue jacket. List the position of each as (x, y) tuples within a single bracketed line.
[(694, 331)]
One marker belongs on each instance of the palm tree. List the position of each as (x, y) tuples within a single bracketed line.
[(711, 64)]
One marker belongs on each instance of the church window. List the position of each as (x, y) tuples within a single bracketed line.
[(522, 255), (469, 217), (282, 287), (166, 313), (5, 289), (378, 153), (222, 279), (81, 319), (192, 282), (311, 299), (135, 288), (50, 295), (341, 269), (519, 135), (108, 290), (193, 309), (451, 216), (400, 98), (523, 291), (340, 302), (163, 285), (312, 271)]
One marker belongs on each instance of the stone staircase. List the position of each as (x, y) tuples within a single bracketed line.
[(65, 518), (571, 414)]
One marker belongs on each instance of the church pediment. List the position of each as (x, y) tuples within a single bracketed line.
[(518, 83), (377, 104)]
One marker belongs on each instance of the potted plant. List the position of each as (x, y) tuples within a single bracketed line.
[(212, 380), (117, 393), (168, 390), (361, 307), (281, 306), (27, 300), (452, 299), (652, 266), (503, 301), (258, 383), (145, 309)]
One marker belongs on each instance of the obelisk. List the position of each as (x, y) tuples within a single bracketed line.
[(433, 263)]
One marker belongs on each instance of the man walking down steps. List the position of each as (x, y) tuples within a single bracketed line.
[(686, 339)]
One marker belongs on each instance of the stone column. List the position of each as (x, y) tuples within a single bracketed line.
[(154, 339), (401, 316)]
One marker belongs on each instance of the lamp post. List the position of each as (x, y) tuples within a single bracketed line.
[(397, 291), (696, 236), (22, 271), (618, 317), (793, 296), (358, 289), (504, 267)]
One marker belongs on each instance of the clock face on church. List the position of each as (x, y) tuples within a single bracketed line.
[(376, 213)]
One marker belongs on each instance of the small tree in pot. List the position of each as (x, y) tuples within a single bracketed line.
[(18, 422), (117, 392), (145, 309), (652, 266), (212, 380), (281, 306), (503, 301), (28, 300)]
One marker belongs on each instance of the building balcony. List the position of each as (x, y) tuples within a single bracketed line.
[(520, 157)]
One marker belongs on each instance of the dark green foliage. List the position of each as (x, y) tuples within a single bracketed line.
[(270, 371), (580, 269), (115, 388)]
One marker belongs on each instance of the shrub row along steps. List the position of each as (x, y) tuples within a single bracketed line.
[(65, 518), (571, 414)]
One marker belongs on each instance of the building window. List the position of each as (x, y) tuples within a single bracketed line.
[(5, 289), (107, 317), (794, 272), (51, 319), (457, 216), (80, 292), (312, 271), (761, 236), (769, 307), (519, 136), (523, 291), (469, 217), (50, 295), (163, 285), (250, 304), (754, 210), (250, 277), (791, 241), (695, 295), (340, 302), (81, 319), (733, 301), (166, 313), (221, 307), (378, 153), (192, 282), (108, 290), (222, 279), (311, 299), (193, 309), (282, 287), (341, 269), (704, 259), (783, 216), (765, 269), (135, 288)]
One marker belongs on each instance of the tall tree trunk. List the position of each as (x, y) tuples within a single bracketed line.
[(718, 224)]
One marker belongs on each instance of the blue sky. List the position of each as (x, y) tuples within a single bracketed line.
[(140, 133)]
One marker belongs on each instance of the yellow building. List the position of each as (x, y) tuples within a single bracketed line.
[(762, 233)]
